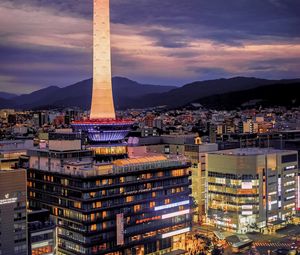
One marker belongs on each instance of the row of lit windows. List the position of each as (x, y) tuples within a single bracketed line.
[(245, 177), (42, 250), (72, 246), (232, 190), (71, 235), (147, 186), (156, 224), (217, 205), (110, 150), (289, 206), (122, 200), (289, 183), (233, 199), (102, 182), (71, 225), (231, 182)]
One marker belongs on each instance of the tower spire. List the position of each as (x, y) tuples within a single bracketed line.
[(102, 98)]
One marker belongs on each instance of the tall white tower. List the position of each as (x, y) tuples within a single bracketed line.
[(102, 97)]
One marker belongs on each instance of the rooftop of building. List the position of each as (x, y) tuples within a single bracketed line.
[(251, 151), (89, 168), (15, 170), (10, 148)]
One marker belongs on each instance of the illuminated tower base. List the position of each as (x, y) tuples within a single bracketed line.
[(105, 137)]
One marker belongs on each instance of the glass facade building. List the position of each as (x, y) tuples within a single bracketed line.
[(252, 189)]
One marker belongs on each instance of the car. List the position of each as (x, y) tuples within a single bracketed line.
[(294, 246)]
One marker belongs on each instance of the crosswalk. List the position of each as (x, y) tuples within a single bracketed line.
[(275, 245)]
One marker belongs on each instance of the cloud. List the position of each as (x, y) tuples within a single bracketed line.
[(171, 41)]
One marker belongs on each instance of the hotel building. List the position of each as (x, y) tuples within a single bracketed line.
[(13, 229), (252, 189), (128, 206)]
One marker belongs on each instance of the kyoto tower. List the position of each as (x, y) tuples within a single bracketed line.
[(102, 98), (104, 132)]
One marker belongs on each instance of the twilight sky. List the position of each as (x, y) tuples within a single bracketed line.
[(48, 42)]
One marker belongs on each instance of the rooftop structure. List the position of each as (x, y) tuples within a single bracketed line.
[(249, 151), (12, 151)]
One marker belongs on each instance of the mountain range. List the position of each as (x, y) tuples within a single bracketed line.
[(131, 94), (79, 94), (5, 95)]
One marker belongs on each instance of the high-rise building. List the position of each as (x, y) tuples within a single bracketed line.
[(129, 206), (13, 228), (252, 189)]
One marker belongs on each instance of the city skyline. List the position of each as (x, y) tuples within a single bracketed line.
[(50, 43), (113, 167)]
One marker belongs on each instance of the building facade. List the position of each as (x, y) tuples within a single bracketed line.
[(13, 216), (252, 189), (41, 233), (197, 154), (129, 206)]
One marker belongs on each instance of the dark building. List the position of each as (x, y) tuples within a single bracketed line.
[(13, 230), (41, 233), (129, 206), (12, 119)]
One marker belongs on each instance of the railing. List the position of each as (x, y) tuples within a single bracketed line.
[(150, 165)]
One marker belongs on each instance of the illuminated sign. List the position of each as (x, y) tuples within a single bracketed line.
[(272, 193), (170, 215), (246, 185), (290, 190), (247, 207), (289, 167), (120, 229), (247, 212), (290, 197), (176, 232), (246, 191), (162, 207), (8, 200), (148, 219)]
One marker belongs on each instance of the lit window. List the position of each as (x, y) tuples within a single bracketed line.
[(137, 208), (152, 204), (129, 199)]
